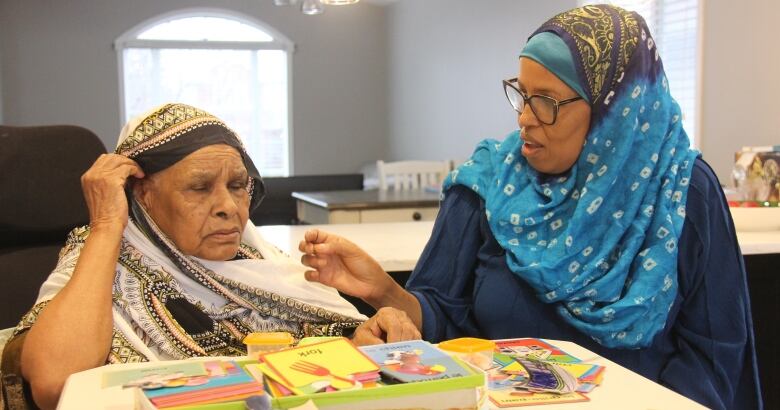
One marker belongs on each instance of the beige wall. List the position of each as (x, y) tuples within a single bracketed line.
[(59, 66), (740, 79)]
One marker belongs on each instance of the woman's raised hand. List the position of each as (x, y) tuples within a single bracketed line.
[(341, 264), (104, 190)]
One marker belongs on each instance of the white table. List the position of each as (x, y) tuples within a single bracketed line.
[(398, 245), (620, 389), (755, 243)]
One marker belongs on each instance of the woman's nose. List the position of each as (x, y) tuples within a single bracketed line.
[(225, 205), (527, 117)]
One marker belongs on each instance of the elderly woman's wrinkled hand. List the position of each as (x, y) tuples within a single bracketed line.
[(104, 190), (386, 326), (341, 264)]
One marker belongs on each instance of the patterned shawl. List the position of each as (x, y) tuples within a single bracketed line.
[(599, 241), (168, 305)]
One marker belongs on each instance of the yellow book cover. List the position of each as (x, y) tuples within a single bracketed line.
[(333, 361), (271, 374)]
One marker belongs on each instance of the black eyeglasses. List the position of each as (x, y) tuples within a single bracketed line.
[(544, 108)]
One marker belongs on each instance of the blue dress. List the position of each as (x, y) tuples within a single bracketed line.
[(706, 350)]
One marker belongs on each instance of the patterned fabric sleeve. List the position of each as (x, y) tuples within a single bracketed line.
[(66, 263), (122, 351), (332, 329), (29, 318)]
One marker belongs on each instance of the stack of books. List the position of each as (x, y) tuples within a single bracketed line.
[(532, 371), (187, 383), (331, 372)]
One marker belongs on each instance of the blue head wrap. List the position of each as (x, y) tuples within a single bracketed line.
[(599, 241), (550, 51)]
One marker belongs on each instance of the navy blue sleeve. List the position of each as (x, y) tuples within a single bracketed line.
[(715, 362), (443, 278)]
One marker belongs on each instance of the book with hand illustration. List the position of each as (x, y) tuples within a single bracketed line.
[(414, 361)]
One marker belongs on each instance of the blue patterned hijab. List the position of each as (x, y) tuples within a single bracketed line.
[(600, 241)]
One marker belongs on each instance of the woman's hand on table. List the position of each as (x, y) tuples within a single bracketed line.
[(104, 190), (341, 264), (386, 326)]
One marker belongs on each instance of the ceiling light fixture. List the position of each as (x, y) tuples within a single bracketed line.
[(312, 7), (339, 2)]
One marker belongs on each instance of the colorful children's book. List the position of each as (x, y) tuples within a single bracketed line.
[(532, 372), (155, 374), (226, 381), (535, 348), (336, 363), (414, 361), (546, 377)]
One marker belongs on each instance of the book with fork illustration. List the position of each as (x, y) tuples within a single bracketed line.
[(333, 364)]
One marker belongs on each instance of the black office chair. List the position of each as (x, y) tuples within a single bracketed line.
[(40, 202), (279, 208)]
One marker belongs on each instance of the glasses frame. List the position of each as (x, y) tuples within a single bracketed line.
[(512, 82)]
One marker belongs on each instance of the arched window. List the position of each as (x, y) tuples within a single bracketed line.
[(230, 65)]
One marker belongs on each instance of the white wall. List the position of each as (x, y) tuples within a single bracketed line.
[(447, 60), (741, 79), (59, 66)]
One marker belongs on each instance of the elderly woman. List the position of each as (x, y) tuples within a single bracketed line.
[(595, 223), (186, 274)]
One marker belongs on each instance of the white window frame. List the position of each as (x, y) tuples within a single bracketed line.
[(129, 39)]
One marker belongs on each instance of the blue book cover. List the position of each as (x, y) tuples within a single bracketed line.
[(414, 361)]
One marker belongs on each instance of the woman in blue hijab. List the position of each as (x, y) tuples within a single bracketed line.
[(596, 222)]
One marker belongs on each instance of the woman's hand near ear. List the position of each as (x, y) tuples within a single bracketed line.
[(104, 190), (74, 330)]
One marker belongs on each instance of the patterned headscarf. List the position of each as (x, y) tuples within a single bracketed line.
[(163, 136), (600, 241)]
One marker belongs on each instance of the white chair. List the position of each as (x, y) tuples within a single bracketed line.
[(406, 175)]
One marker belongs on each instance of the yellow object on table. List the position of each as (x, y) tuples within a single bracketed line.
[(478, 352), (258, 343)]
